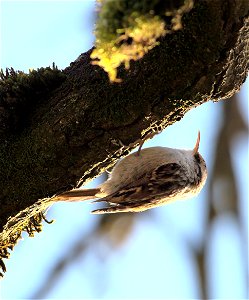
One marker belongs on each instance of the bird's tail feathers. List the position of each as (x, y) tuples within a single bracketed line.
[(78, 195)]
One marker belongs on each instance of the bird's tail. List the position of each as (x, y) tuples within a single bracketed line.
[(77, 195)]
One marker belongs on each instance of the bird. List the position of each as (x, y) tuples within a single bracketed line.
[(147, 178)]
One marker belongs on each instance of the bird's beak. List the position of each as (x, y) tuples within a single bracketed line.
[(196, 148)]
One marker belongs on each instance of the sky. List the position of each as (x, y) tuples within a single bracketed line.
[(154, 262)]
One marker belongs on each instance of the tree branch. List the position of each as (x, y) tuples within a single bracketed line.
[(70, 133)]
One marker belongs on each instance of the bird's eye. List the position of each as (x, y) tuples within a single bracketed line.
[(197, 158)]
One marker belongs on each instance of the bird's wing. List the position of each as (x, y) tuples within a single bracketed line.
[(163, 182), (168, 178)]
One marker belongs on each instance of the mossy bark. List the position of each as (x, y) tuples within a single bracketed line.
[(72, 132)]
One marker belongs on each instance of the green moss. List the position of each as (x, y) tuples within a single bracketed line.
[(21, 92), (22, 223), (19, 166), (126, 30), (18, 83), (21, 160)]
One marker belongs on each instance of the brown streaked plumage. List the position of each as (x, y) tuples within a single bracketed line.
[(158, 175)]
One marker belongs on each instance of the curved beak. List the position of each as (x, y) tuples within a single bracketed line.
[(196, 148)]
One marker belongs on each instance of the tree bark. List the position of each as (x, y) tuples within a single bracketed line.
[(68, 134)]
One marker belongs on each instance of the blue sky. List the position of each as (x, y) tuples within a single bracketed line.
[(154, 262)]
